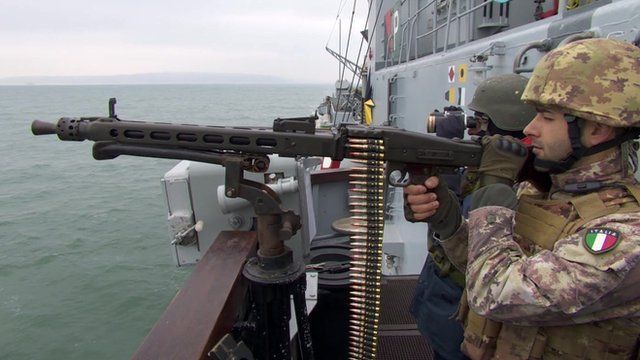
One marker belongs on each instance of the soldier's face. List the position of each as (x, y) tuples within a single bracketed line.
[(549, 136)]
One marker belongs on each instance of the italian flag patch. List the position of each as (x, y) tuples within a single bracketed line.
[(601, 240)]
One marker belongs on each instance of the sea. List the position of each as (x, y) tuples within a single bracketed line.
[(85, 261)]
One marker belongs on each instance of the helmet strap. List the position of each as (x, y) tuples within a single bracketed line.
[(630, 134), (577, 150)]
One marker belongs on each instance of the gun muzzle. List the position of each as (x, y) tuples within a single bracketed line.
[(39, 127)]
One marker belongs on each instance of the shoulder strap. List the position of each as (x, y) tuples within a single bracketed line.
[(591, 207), (634, 190)]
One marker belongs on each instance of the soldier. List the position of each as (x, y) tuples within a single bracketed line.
[(553, 276), (440, 285)]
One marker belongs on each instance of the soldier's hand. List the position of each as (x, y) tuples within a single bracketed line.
[(502, 159), (421, 200), (432, 202)]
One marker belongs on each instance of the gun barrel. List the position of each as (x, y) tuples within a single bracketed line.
[(39, 127), (192, 137)]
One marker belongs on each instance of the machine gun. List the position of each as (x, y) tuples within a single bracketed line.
[(409, 157)]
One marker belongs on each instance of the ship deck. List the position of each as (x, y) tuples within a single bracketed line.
[(398, 336), (187, 331)]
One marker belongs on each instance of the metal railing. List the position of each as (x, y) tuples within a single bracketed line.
[(408, 49)]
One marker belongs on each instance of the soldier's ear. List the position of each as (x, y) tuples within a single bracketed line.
[(595, 133)]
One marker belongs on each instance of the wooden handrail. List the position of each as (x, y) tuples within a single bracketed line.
[(206, 307)]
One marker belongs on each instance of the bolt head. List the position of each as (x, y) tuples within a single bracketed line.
[(236, 221)]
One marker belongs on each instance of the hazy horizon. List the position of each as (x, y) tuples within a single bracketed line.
[(187, 78), (281, 39)]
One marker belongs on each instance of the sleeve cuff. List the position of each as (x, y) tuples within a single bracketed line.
[(455, 234)]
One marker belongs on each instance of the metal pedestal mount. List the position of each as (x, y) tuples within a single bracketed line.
[(274, 276), (273, 281)]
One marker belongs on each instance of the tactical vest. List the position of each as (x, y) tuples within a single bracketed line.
[(537, 229)]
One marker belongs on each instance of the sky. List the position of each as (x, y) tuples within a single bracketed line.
[(283, 38)]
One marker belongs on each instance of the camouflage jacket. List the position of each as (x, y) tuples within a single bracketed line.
[(565, 285)]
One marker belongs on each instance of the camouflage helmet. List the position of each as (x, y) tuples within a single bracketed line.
[(499, 98), (593, 79)]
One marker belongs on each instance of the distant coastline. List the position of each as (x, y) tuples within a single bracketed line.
[(165, 78)]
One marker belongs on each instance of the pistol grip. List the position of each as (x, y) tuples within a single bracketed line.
[(408, 213), (415, 178)]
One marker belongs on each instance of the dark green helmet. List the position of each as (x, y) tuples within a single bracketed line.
[(499, 98)]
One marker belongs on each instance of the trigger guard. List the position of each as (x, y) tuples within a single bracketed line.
[(399, 178)]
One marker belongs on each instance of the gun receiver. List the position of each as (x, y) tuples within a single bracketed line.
[(405, 151)]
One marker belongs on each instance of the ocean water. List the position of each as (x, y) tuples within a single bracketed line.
[(85, 264)]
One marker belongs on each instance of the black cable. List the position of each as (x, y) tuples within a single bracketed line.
[(346, 53), (342, 3), (369, 39), (356, 69)]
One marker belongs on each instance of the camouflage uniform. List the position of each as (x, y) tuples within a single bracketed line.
[(536, 288), (440, 285)]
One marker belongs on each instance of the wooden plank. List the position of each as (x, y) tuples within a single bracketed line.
[(206, 307)]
